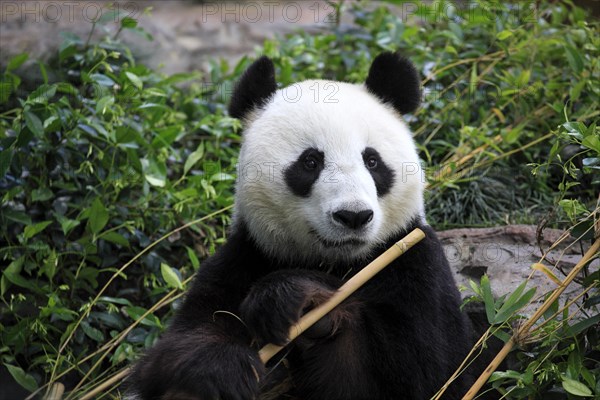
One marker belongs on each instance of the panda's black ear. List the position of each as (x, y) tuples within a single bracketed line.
[(395, 80), (254, 88)]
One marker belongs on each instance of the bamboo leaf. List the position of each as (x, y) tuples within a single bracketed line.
[(488, 299), (547, 272), (507, 312)]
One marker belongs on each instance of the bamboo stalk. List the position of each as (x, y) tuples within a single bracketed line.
[(346, 290), (106, 384), (56, 392), (523, 330)]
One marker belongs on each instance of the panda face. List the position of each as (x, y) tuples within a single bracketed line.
[(326, 180)]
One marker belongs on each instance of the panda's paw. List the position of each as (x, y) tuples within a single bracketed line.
[(236, 375), (278, 301), (206, 370)]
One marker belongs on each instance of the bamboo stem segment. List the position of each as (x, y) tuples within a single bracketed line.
[(523, 330), (353, 284), (56, 392), (106, 384)]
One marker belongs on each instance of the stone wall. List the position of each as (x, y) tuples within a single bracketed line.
[(186, 33)]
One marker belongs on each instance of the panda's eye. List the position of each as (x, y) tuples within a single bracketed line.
[(371, 162), (310, 162)]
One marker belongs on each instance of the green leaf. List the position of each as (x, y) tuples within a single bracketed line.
[(514, 133), (155, 172), (509, 308), (34, 124), (5, 160), (50, 264), (102, 80), (98, 217), (575, 91), (165, 136), (16, 61), (503, 35), (592, 142), (43, 72), (575, 129), (136, 313), (41, 194), (581, 326), (6, 88), (128, 23), (66, 224), (576, 388), (116, 238), (510, 374), (575, 59), (16, 216), (42, 94), (476, 289), (22, 378), (116, 300), (13, 274), (488, 298), (92, 332), (32, 230), (573, 208), (104, 104), (193, 158), (193, 258), (154, 92), (523, 78), (514, 296), (137, 82), (473, 80), (170, 276)]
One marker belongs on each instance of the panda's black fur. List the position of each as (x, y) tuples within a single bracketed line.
[(400, 336)]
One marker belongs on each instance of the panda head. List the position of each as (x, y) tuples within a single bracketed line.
[(327, 170)]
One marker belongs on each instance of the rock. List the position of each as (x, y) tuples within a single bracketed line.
[(506, 255)]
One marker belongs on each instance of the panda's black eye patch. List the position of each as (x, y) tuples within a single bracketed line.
[(304, 172), (382, 175)]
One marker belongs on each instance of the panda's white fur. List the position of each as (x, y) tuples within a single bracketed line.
[(341, 125)]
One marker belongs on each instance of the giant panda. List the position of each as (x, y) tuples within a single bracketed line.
[(325, 185)]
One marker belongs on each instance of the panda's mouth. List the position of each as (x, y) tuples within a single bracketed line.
[(341, 243), (338, 242)]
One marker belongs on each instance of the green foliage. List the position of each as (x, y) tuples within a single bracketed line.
[(557, 358), (95, 167), (103, 163)]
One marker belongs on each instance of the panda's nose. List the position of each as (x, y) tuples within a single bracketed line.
[(352, 219)]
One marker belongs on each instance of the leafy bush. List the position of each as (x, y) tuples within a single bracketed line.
[(96, 167), (103, 165)]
